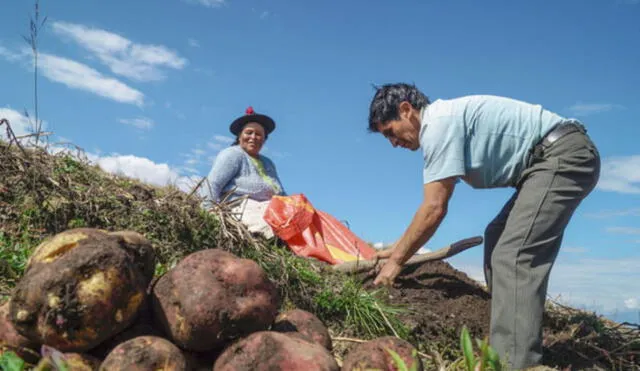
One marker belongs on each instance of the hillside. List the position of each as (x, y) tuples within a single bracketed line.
[(43, 194)]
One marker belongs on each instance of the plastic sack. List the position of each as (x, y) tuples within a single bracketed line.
[(313, 233)]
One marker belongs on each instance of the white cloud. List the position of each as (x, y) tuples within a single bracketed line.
[(12, 56), (193, 43), (614, 213), (145, 170), (378, 245), (223, 139), (623, 230), (138, 167), (621, 174), (79, 76), (632, 303), (141, 62), (142, 123), (215, 146), (599, 284), (207, 3), (19, 123), (585, 109), (424, 250), (219, 142), (264, 14)]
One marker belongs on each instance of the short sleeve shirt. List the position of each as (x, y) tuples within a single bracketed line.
[(485, 140)]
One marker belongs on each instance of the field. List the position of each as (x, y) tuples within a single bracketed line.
[(43, 194)]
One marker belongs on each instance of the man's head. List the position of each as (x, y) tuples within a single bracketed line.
[(395, 113)]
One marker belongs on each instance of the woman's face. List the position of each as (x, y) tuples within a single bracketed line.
[(252, 138)]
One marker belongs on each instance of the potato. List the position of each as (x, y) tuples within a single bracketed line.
[(81, 287), (298, 320), (11, 340), (145, 353), (374, 355), (211, 297), (267, 350), (142, 326)]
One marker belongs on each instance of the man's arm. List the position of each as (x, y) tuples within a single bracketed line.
[(426, 220), (424, 224)]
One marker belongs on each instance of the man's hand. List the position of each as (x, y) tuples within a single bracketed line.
[(388, 273), (384, 254)]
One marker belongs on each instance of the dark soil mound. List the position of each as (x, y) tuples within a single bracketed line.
[(441, 300)]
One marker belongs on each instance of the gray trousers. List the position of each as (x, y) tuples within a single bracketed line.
[(522, 242)]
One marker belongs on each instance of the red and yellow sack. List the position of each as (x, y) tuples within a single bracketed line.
[(313, 233)]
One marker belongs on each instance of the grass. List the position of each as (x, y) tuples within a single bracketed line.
[(58, 192)]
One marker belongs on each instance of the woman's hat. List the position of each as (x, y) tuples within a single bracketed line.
[(250, 116)]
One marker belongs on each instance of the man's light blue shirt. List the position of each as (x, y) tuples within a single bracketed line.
[(483, 139)]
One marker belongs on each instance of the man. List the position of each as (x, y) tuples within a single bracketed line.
[(489, 142)]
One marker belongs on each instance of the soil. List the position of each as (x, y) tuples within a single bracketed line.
[(440, 300)]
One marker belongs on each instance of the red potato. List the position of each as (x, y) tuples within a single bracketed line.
[(212, 297), (145, 353), (303, 322), (81, 287), (8, 334), (267, 350), (375, 355), (11, 340)]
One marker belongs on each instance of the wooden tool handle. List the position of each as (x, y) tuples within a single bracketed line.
[(443, 253)]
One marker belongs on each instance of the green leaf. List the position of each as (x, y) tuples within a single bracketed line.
[(9, 361), (400, 365), (467, 348), (494, 359)]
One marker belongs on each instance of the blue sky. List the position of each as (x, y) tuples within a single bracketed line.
[(149, 88)]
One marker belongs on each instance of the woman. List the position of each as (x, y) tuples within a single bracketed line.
[(243, 171)]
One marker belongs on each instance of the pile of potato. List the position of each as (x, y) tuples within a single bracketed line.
[(90, 294)]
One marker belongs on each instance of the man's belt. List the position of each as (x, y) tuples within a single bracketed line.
[(560, 130)]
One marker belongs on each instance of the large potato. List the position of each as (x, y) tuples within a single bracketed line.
[(303, 322), (266, 350), (211, 297), (375, 355), (81, 287), (145, 353)]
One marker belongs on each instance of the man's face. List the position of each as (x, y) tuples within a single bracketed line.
[(401, 133)]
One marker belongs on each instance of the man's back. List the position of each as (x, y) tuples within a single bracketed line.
[(483, 139)]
